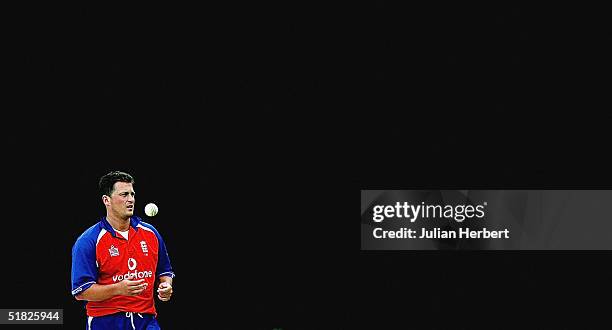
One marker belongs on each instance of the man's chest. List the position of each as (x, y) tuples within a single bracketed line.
[(117, 255)]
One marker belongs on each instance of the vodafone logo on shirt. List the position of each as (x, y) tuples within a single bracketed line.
[(133, 273)]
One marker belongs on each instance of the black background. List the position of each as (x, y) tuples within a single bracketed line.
[(253, 127), (213, 110)]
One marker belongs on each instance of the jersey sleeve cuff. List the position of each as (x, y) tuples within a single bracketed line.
[(82, 287), (169, 274)]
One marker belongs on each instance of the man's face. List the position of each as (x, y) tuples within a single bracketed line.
[(121, 201)]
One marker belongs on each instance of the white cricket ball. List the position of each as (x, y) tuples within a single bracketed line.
[(151, 209)]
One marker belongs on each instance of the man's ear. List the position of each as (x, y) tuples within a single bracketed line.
[(105, 200)]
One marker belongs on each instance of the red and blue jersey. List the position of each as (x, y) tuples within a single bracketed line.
[(103, 256)]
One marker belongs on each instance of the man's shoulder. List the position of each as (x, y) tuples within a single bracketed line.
[(91, 233), (148, 226)]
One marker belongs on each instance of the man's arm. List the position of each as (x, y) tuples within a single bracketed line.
[(98, 292), (166, 279)]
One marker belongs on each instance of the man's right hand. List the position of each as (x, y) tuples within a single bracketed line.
[(131, 288)]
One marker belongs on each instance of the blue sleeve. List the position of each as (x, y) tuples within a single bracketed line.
[(164, 268), (84, 268)]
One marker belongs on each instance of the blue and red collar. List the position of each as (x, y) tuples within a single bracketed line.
[(134, 221)]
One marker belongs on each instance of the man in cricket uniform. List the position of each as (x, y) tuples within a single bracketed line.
[(117, 263)]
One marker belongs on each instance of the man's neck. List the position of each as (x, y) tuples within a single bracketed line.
[(118, 223)]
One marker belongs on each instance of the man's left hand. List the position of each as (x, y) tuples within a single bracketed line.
[(164, 291)]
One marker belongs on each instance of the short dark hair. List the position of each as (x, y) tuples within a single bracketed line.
[(107, 181)]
